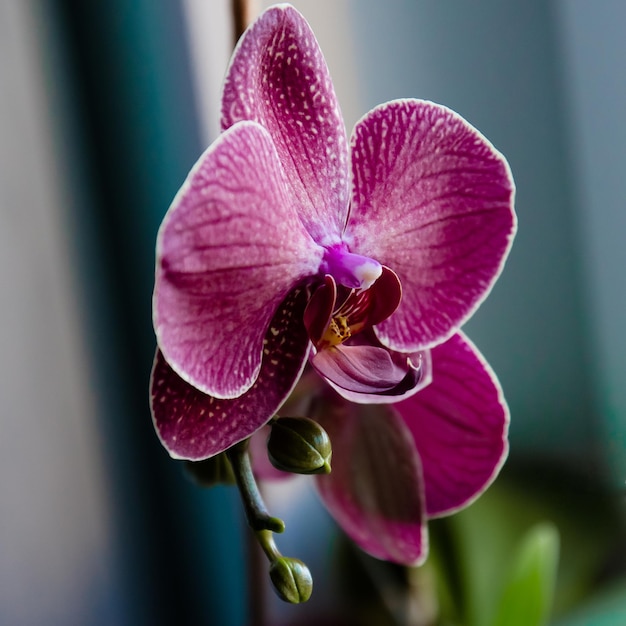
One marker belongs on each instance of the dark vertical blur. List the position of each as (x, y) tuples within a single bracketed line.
[(131, 135)]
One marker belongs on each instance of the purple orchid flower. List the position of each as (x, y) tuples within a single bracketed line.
[(286, 244)]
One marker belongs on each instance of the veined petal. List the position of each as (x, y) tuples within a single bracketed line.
[(278, 77), (433, 200), (230, 249), (375, 489), (195, 426), (460, 425)]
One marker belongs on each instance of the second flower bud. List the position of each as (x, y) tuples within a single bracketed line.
[(299, 445)]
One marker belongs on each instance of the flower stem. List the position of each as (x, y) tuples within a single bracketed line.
[(291, 577), (266, 541), (257, 582), (256, 512)]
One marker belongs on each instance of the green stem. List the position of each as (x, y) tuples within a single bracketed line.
[(266, 541), (256, 512), (257, 582)]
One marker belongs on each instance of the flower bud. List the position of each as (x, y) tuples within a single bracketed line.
[(299, 445), (210, 472), (291, 579)]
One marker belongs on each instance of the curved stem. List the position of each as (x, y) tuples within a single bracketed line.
[(266, 541), (256, 512)]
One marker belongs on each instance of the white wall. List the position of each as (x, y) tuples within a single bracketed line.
[(55, 535)]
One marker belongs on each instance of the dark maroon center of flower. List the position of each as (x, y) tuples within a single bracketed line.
[(348, 319), (334, 313)]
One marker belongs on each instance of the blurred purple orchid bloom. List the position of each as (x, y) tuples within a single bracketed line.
[(286, 245)]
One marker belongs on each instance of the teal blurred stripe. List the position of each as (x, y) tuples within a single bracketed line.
[(605, 609), (131, 134)]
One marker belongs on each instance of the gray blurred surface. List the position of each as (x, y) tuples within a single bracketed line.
[(55, 542)]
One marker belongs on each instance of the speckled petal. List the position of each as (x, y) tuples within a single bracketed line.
[(375, 490), (460, 425), (278, 77), (195, 426), (229, 250), (433, 200)]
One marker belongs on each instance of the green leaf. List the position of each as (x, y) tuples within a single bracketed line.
[(528, 591)]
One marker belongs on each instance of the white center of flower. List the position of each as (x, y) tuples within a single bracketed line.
[(368, 272)]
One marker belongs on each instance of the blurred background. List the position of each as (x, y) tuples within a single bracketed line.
[(104, 107)]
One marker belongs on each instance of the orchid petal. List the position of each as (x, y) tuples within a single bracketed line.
[(459, 424), (364, 369), (278, 77), (375, 490), (195, 426), (386, 295), (433, 200), (319, 310), (418, 375), (229, 250), (361, 368)]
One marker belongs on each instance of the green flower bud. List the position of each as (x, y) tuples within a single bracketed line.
[(299, 445), (291, 579), (210, 472)]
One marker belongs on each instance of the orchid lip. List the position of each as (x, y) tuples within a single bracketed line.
[(349, 269)]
